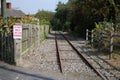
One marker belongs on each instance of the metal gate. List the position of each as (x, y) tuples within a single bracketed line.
[(6, 45)]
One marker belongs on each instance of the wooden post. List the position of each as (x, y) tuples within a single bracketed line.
[(92, 35), (17, 50), (86, 36), (38, 34), (44, 32), (17, 30), (111, 45)]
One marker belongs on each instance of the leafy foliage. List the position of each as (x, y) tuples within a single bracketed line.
[(102, 31), (82, 14), (29, 19), (60, 19), (44, 16)]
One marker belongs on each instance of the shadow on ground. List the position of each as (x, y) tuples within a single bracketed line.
[(11, 73)]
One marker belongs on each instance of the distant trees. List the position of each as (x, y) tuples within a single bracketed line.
[(77, 15), (45, 17), (60, 17)]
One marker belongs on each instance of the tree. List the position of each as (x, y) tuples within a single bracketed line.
[(60, 17), (45, 17), (83, 14)]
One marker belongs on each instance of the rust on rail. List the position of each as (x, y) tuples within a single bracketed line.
[(58, 53), (84, 59)]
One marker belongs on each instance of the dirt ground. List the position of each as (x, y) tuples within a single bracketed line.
[(114, 61)]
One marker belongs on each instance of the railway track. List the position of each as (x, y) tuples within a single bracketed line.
[(68, 61), (71, 61), (109, 71), (99, 65)]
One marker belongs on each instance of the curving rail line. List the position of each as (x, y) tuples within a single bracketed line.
[(79, 54), (58, 54)]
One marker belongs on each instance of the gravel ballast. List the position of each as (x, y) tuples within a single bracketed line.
[(44, 59)]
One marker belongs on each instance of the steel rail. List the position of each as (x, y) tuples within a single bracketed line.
[(58, 53), (84, 59)]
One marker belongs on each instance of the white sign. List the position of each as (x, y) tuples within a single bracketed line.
[(17, 32)]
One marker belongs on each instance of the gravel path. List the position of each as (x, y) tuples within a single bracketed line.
[(44, 60), (9, 72)]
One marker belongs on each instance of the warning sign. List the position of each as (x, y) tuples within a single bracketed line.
[(17, 32)]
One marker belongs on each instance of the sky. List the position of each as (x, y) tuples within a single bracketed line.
[(32, 6)]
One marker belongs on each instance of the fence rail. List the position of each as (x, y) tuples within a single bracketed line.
[(104, 37), (11, 50)]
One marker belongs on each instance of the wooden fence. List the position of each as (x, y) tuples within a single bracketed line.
[(32, 36), (11, 50), (108, 39)]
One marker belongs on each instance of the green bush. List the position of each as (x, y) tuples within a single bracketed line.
[(101, 32)]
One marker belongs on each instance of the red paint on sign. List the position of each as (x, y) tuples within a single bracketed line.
[(17, 32)]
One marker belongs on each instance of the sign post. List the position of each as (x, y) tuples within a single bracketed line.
[(17, 35), (4, 11)]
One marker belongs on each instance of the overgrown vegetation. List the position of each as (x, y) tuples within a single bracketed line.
[(28, 19), (78, 15), (45, 17)]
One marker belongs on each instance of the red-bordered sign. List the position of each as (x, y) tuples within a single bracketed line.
[(17, 32)]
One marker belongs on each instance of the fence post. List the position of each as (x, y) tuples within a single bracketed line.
[(99, 40), (111, 44), (38, 34), (17, 35), (92, 35), (30, 36), (17, 50), (86, 36)]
